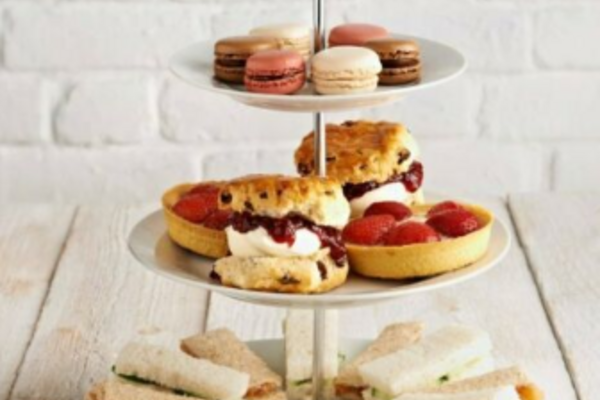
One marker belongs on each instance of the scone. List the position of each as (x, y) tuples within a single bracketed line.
[(285, 234), (422, 241), (375, 162), (193, 219)]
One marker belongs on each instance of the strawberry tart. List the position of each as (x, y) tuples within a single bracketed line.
[(194, 220), (394, 241)]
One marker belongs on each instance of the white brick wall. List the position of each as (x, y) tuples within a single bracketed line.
[(88, 112)]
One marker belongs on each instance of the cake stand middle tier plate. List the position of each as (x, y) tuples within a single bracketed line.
[(152, 247), (440, 63)]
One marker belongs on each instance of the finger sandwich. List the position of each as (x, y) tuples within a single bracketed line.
[(175, 371), (348, 384), (222, 347), (449, 354)]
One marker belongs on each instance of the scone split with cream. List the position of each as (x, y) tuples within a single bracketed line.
[(375, 161), (285, 234)]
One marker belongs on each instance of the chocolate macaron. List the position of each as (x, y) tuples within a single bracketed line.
[(275, 72), (231, 55), (401, 60)]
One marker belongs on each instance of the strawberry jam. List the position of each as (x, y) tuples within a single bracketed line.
[(411, 179), (283, 230)]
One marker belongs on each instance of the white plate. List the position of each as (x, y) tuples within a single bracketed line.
[(272, 351), (153, 248), (441, 63)]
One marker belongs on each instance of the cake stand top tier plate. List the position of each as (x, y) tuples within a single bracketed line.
[(152, 247), (440, 63)]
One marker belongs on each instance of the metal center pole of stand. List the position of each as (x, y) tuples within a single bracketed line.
[(318, 382), (320, 144)]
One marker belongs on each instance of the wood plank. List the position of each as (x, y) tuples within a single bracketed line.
[(100, 299), (561, 237), (31, 240), (504, 301)]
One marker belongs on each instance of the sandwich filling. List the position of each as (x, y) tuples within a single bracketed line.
[(401, 187), (254, 236)]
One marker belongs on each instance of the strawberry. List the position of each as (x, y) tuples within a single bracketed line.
[(443, 207), (397, 210), (410, 232), (196, 207), (368, 230), (454, 223), (204, 188), (218, 219)]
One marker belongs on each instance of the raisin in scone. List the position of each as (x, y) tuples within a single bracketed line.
[(375, 162), (285, 234)]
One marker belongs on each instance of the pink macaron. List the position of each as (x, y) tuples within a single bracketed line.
[(275, 72), (355, 34)]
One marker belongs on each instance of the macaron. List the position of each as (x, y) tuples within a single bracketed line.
[(294, 37), (401, 60), (345, 69), (275, 72), (355, 34), (231, 55)]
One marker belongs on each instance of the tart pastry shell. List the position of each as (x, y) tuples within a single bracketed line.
[(424, 259), (194, 237)]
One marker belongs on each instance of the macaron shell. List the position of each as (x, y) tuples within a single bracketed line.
[(243, 46), (400, 75), (275, 72), (229, 74), (287, 85), (355, 34), (333, 87), (296, 37), (394, 49), (345, 62), (290, 31)]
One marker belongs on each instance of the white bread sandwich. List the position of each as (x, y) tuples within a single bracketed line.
[(504, 384), (452, 353), (348, 384), (119, 389), (176, 371), (222, 347), (284, 234), (298, 332)]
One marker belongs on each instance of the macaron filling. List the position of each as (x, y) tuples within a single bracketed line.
[(269, 76)]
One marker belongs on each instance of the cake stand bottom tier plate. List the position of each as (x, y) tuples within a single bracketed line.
[(272, 351), (153, 248)]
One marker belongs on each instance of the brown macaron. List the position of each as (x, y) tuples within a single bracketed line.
[(401, 60), (231, 55)]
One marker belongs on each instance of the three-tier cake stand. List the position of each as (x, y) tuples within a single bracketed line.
[(152, 247)]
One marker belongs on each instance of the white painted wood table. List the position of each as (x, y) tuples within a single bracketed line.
[(71, 296)]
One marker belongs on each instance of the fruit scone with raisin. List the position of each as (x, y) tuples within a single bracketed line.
[(394, 241), (285, 234), (375, 161), (193, 219)]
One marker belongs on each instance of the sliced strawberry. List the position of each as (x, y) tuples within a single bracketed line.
[(410, 232), (202, 188), (397, 210), (196, 207), (219, 220), (368, 230), (454, 223), (443, 207)]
